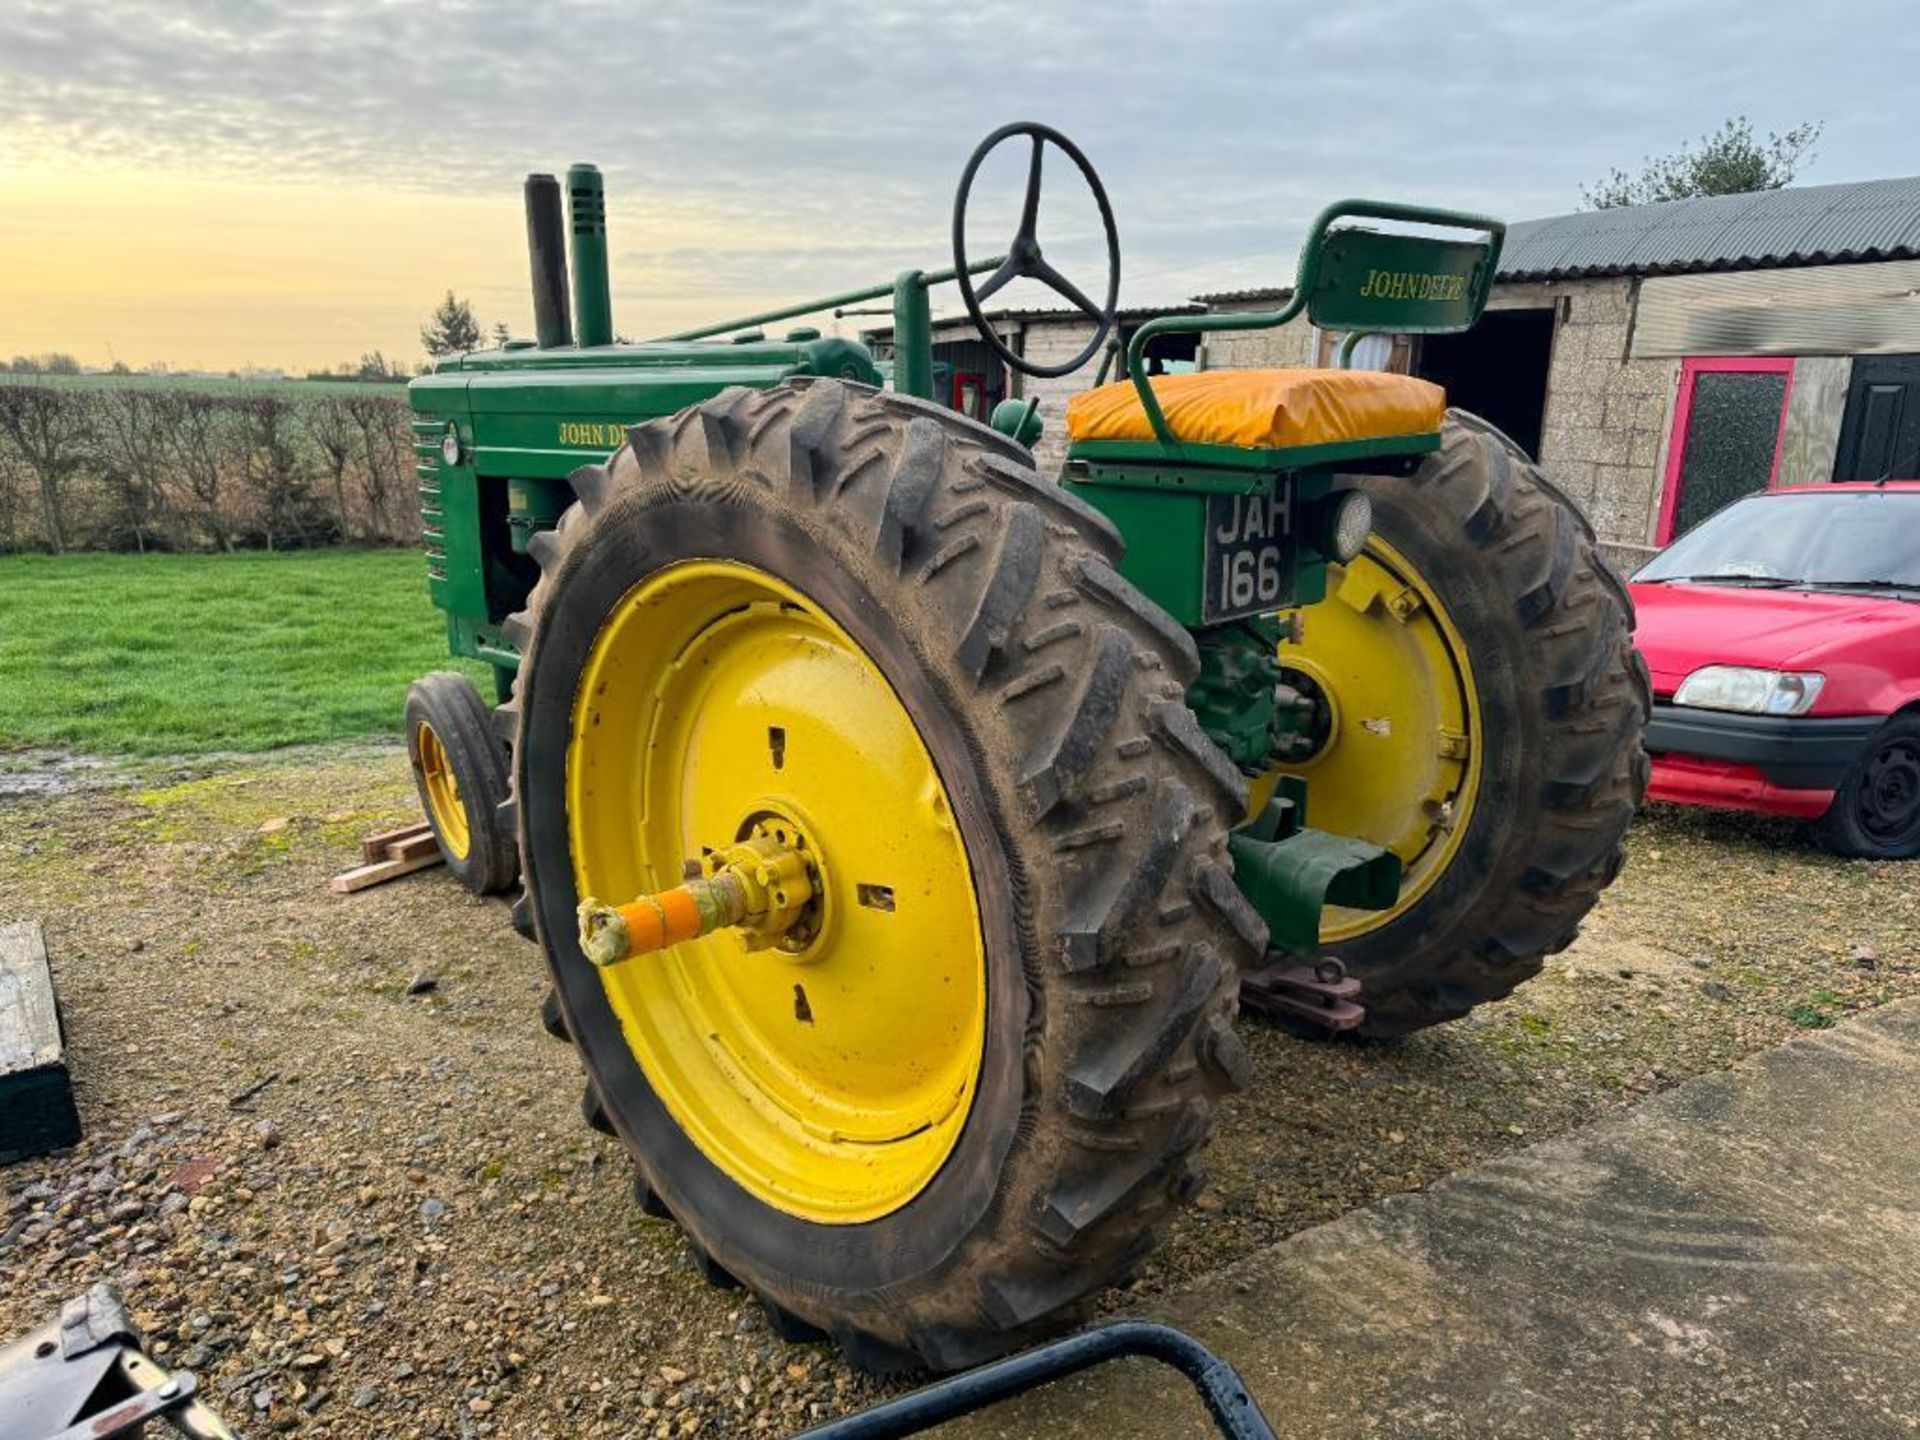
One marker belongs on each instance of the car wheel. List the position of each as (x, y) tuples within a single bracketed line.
[(1876, 811)]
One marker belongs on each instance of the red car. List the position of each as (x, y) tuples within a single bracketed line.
[(1783, 637)]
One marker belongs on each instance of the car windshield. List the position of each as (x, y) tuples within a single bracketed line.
[(1817, 539)]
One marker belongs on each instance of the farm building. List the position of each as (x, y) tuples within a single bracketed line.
[(1659, 359)]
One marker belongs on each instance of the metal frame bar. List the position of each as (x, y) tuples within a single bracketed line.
[(1229, 1406), (912, 320), (1201, 465), (813, 307)]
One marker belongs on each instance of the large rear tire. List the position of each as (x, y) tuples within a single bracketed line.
[(781, 545), (1488, 708)]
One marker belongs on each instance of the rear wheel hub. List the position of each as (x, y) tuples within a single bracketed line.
[(1396, 762), (828, 1068)]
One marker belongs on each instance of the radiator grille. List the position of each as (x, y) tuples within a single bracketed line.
[(426, 470)]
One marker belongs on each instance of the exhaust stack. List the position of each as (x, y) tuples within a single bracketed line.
[(547, 249), (592, 298)]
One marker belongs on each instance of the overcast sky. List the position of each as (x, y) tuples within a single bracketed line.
[(298, 183)]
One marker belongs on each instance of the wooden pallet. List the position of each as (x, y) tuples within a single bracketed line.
[(388, 856), (37, 1112)]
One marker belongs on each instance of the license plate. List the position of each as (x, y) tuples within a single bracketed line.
[(1249, 553)]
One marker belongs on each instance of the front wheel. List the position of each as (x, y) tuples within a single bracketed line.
[(460, 771), (1875, 813)]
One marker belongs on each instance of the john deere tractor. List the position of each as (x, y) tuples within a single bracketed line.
[(902, 827)]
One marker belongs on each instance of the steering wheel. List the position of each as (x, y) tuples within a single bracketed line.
[(1024, 260)]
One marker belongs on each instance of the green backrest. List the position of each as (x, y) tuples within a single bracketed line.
[(1377, 282)]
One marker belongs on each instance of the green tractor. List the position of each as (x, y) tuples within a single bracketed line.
[(903, 828)]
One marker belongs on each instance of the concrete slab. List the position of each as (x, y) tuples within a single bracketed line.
[(1738, 1257)]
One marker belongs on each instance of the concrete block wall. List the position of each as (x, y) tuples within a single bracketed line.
[(1291, 344), (1603, 438), (1048, 342), (1054, 342)]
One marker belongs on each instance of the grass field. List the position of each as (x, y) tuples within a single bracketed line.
[(181, 654)]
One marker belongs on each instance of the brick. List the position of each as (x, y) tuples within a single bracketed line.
[(1575, 477), (1622, 504), (1579, 410), (1600, 304)]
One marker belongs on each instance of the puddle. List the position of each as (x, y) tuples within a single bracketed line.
[(43, 772), (48, 772)]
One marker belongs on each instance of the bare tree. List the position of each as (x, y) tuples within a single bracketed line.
[(132, 461), (330, 424), (50, 434), (379, 419), (54, 362), (13, 480), (274, 469), (199, 444)]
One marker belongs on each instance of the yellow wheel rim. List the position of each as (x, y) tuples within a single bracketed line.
[(444, 806), (1401, 765), (831, 1077)]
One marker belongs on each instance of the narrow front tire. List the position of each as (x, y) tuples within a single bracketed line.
[(460, 772)]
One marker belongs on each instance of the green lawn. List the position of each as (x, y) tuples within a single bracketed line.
[(177, 654)]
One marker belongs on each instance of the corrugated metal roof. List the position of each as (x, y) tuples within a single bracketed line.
[(1259, 295), (1805, 225)]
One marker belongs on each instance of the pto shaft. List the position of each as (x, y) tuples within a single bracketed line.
[(760, 886)]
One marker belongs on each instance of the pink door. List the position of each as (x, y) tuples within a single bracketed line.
[(1727, 426)]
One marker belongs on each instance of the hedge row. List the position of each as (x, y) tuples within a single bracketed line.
[(138, 468)]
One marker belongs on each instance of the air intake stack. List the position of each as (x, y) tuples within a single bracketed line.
[(592, 298), (547, 249)]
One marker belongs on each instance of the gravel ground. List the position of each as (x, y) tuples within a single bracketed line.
[(339, 1170)]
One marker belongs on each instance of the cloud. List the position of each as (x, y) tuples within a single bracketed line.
[(803, 136)]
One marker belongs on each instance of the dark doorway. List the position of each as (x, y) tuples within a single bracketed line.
[(1498, 370), (1880, 435), (968, 377), (1165, 353)]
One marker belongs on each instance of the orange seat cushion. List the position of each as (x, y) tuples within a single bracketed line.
[(1263, 409)]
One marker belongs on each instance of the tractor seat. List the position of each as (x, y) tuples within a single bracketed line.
[(1263, 409)]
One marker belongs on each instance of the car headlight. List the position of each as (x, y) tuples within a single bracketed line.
[(1750, 691)]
